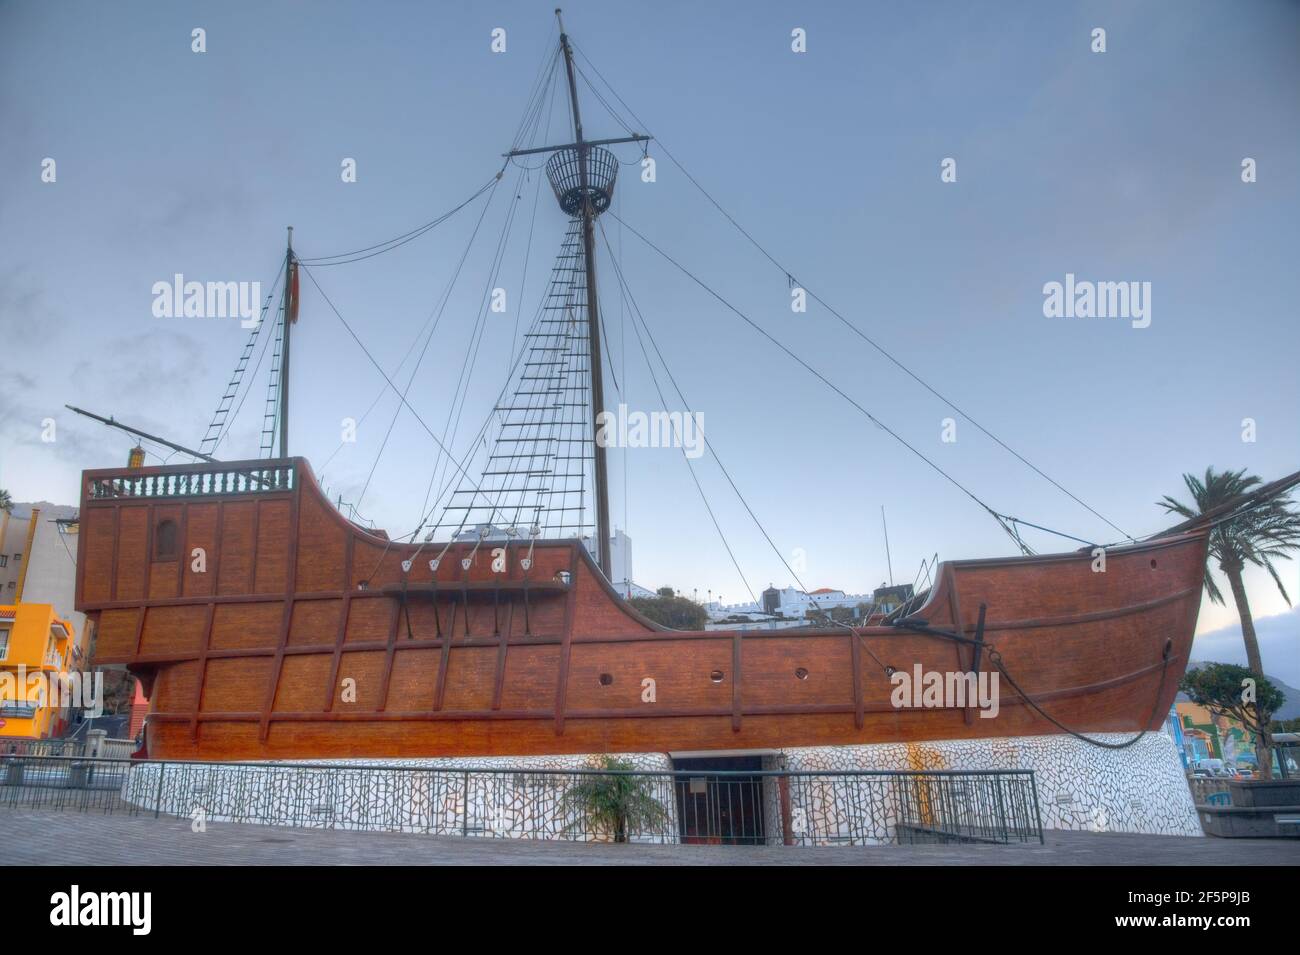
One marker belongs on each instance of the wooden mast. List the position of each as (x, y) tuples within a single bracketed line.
[(284, 356), (601, 531)]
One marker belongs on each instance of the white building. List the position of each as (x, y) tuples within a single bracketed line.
[(47, 547), (620, 567), (790, 602)]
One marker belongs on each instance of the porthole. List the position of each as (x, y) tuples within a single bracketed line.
[(607, 679), (801, 674), (1153, 563), (716, 676)]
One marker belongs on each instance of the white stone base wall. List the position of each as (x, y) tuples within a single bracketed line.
[(1138, 789), (409, 795)]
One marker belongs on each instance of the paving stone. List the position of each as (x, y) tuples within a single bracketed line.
[(70, 838)]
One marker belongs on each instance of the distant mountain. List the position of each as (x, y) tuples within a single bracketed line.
[(51, 512), (1289, 710)]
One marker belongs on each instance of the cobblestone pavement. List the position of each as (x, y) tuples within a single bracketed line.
[(97, 839)]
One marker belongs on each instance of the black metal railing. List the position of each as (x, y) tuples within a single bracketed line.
[(90, 746), (724, 807)]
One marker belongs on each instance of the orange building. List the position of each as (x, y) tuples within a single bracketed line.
[(37, 650)]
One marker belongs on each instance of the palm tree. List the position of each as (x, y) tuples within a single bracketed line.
[(6, 502), (1258, 536), (618, 803)]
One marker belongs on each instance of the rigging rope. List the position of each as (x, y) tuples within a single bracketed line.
[(460, 396), (826, 381), (473, 446), (637, 315), (438, 312), (379, 368), (398, 241), (690, 466), (848, 324), (230, 419)]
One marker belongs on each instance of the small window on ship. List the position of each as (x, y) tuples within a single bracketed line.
[(164, 541)]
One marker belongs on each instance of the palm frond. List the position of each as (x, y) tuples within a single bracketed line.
[(1258, 536), (1272, 571)]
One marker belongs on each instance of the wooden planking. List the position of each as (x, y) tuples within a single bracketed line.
[(301, 678), (174, 628), (528, 683), (236, 683), (366, 669), (290, 568), (238, 533), (255, 537), (215, 571), (389, 649), (275, 563), (321, 546), (139, 628), (855, 657), (1092, 646), (149, 526), (117, 540), (245, 627), (411, 683), (341, 636), (444, 662), (566, 647), (965, 658), (117, 634), (503, 651), (315, 623), (182, 550), (736, 683), (133, 557)]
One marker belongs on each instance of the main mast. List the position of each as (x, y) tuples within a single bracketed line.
[(588, 213), (536, 457)]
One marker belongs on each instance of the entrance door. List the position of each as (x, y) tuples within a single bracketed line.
[(719, 809)]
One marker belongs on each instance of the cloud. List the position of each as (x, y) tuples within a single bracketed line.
[(147, 380), (1279, 645), (24, 306)]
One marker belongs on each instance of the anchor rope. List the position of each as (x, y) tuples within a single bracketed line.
[(995, 657)]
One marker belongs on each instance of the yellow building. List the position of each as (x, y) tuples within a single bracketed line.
[(1210, 736), (37, 650)]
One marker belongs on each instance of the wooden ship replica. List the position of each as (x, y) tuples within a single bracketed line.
[(508, 637)]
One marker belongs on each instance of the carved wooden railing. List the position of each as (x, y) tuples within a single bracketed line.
[(200, 481)]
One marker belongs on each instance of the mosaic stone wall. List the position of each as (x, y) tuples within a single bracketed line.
[(1138, 789), (410, 795)]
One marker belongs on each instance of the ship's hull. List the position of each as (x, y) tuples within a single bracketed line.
[(264, 625)]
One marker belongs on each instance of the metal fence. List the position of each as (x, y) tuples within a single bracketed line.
[(1209, 789), (90, 747), (723, 807)]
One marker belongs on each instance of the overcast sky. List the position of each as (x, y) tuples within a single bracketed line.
[(1117, 166)]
